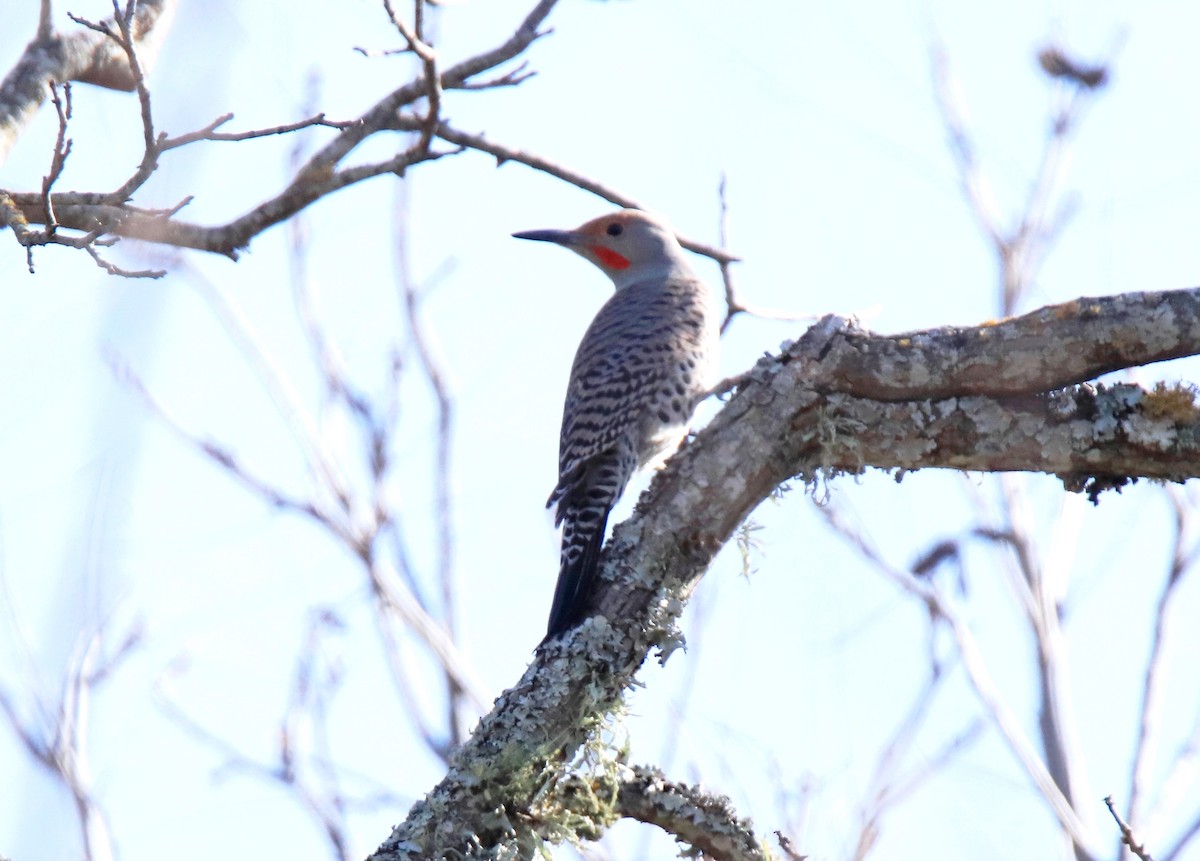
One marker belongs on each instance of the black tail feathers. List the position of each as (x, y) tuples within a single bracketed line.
[(582, 538)]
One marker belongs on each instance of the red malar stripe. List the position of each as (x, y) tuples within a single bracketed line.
[(609, 258)]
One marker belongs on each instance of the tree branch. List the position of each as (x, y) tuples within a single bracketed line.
[(100, 214), (706, 822), (795, 415), (503, 154), (1127, 835), (1054, 346), (85, 55), (1155, 700)]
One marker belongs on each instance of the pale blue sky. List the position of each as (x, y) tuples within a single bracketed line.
[(843, 198)]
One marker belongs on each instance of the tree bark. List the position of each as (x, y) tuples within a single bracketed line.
[(85, 56), (839, 399)]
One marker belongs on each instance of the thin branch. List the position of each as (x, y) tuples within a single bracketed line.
[(304, 765), (1127, 835), (1178, 788), (210, 133), (1153, 688), (62, 148), (219, 454), (1041, 591), (510, 78), (380, 115), (433, 81), (45, 28), (734, 304), (391, 596), (61, 746), (1190, 832), (889, 784), (378, 428), (329, 478), (113, 269), (403, 605), (1021, 249), (432, 366), (504, 154), (785, 844), (90, 241), (975, 182), (122, 35), (979, 674), (304, 735)]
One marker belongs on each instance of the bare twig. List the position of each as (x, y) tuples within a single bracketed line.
[(305, 764), (504, 154), (732, 306), (1127, 835), (1183, 557), (381, 114), (122, 34), (976, 184), (786, 845), (995, 704), (210, 133), (114, 269), (391, 587), (62, 745), (90, 241), (508, 79), (1190, 832), (306, 761), (1040, 583), (62, 148), (403, 604), (424, 342), (734, 303), (1020, 249), (329, 479), (45, 21), (335, 504), (413, 36), (218, 453), (889, 784)]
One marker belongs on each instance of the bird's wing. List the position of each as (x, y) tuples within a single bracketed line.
[(619, 368)]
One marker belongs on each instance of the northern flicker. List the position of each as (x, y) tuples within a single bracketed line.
[(647, 359)]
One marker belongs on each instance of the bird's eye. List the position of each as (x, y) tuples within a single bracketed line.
[(614, 229)]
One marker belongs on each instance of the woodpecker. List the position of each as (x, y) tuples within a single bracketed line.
[(647, 359)]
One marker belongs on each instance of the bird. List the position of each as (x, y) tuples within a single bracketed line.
[(645, 362)]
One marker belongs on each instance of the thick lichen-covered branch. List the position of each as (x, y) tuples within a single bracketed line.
[(1054, 346), (797, 415), (704, 822)]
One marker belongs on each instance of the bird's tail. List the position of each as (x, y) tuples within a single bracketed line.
[(583, 533)]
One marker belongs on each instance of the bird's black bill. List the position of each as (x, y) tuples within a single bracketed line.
[(561, 237)]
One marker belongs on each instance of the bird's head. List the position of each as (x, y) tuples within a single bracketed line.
[(628, 246)]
